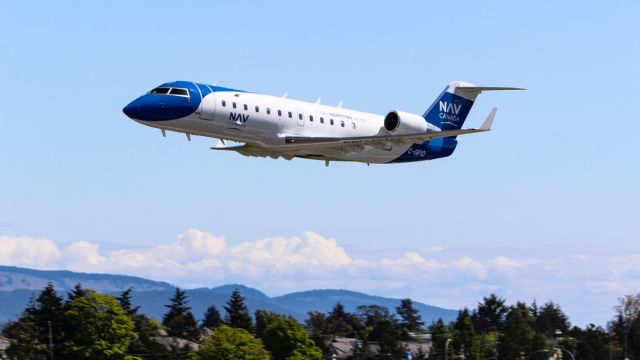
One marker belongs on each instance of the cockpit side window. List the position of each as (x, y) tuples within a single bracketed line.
[(160, 90), (180, 92)]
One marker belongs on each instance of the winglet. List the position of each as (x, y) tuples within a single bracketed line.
[(486, 125)]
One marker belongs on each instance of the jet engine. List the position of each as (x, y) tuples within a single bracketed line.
[(399, 122)]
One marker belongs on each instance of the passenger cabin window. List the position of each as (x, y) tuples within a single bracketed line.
[(321, 120), (268, 111), (353, 125), (160, 90), (342, 123), (299, 116), (311, 118), (246, 107), (331, 121), (290, 115), (224, 103), (179, 92), (257, 109), (279, 112), (234, 105)]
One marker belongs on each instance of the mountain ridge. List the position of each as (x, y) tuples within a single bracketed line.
[(18, 284)]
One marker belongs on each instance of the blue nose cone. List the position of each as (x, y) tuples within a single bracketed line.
[(132, 110)]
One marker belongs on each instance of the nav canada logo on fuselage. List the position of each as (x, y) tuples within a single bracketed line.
[(237, 120), (449, 111)]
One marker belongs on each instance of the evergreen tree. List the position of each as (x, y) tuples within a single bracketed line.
[(518, 337), (212, 318), (49, 310), (77, 292), (439, 336), (411, 319), (237, 314), (32, 328), (464, 339), (179, 319), (339, 321), (125, 302), (27, 340), (551, 318), (491, 312), (316, 324), (592, 343)]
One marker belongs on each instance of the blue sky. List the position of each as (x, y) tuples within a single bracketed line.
[(553, 186)]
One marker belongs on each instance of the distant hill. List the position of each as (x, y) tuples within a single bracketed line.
[(18, 284)]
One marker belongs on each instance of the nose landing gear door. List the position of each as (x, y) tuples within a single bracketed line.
[(208, 107)]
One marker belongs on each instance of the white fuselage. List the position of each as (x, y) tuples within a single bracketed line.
[(265, 120)]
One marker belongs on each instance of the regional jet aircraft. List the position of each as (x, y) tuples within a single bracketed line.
[(271, 126)]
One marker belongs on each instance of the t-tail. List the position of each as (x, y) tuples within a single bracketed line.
[(451, 108)]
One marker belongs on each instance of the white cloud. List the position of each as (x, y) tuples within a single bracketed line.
[(589, 282), (27, 251)]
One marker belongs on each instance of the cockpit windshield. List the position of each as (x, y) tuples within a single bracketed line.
[(170, 91), (181, 92), (160, 90)]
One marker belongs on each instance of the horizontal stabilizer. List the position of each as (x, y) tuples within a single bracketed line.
[(486, 124), (470, 92)]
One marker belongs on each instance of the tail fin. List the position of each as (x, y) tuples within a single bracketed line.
[(451, 108)]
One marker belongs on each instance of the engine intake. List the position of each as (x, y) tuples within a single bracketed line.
[(405, 123)]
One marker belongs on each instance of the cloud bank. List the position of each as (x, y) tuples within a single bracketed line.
[(586, 285)]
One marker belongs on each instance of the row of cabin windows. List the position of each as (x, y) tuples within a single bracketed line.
[(289, 113)]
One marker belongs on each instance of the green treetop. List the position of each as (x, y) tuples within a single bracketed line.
[(179, 319), (229, 343), (237, 314)]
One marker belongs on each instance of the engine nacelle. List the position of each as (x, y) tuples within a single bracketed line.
[(400, 122)]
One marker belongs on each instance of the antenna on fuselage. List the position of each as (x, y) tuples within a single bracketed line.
[(188, 136), (340, 104), (164, 133), (285, 95), (318, 101)]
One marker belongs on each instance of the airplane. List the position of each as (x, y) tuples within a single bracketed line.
[(272, 126)]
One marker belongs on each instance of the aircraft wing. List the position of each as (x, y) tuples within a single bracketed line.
[(386, 140), (333, 146), (253, 150)]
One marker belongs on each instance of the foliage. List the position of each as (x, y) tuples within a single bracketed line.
[(125, 302), (212, 318), (237, 314), (32, 328), (517, 338), (229, 343), (284, 337), (103, 329), (91, 325), (549, 318), (316, 324), (341, 323), (179, 319), (440, 334), (491, 312), (411, 321)]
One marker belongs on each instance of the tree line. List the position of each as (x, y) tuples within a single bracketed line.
[(88, 325)]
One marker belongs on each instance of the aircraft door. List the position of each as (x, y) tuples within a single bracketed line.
[(208, 107)]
